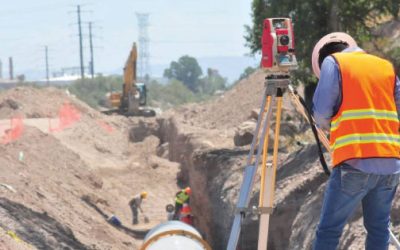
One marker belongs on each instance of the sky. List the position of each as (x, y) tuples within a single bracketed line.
[(199, 28)]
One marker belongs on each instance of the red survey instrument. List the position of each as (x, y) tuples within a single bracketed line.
[(278, 45)]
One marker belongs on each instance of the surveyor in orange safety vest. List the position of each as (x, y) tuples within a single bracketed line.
[(181, 198), (358, 101)]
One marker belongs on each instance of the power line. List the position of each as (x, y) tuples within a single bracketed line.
[(82, 67)]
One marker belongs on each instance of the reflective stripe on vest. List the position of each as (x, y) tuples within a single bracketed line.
[(366, 138), (366, 124), (364, 114), (182, 197)]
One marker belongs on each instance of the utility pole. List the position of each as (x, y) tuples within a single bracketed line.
[(10, 62), (80, 43), (46, 51), (91, 50)]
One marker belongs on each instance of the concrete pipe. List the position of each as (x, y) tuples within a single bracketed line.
[(174, 235)]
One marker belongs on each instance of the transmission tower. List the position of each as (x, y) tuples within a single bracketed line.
[(144, 40)]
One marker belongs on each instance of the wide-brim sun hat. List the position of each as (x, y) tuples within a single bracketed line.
[(332, 37)]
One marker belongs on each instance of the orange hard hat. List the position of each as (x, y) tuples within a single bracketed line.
[(188, 190)]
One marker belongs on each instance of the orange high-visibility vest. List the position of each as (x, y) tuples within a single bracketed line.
[(186, 210), (366, 124)]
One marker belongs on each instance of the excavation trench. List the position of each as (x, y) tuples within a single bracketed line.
[(215, 176)]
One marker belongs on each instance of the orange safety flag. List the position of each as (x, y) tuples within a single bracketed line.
[(67, 116), (15, 131)]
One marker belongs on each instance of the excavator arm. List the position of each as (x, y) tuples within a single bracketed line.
[(130, 96), (130, 71)]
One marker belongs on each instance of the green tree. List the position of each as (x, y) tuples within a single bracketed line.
[(186, 70), (168, 95), (177, 93), (212, 82), (395, 53), (391, 7), (93, 91), (314, 19)]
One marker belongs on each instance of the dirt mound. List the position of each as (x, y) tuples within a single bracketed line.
[(51, 179), (48, 170), (97, 145), (100, 140), (56, 234), (233, 107), (33, 102)]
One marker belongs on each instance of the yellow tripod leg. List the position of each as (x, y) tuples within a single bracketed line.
[(268, 181), (264, 159), (276, 147)]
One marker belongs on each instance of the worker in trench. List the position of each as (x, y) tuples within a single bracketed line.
[(136, 204), (186, 214), (181, 197), (357, 100)]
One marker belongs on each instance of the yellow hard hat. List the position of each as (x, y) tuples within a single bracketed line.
[(143, 194)]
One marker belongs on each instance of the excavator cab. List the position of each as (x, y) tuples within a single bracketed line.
[(132, 99), (141, 88)]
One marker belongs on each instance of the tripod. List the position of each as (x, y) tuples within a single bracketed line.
[(275, 87)]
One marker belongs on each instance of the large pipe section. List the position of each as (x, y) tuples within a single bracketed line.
[(174, 235)]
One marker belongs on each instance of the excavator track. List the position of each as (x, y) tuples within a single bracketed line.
[(142, 112)]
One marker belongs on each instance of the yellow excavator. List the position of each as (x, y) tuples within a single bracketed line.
[(132, 100)]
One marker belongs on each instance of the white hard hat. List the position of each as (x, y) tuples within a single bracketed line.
[(332, 37)]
